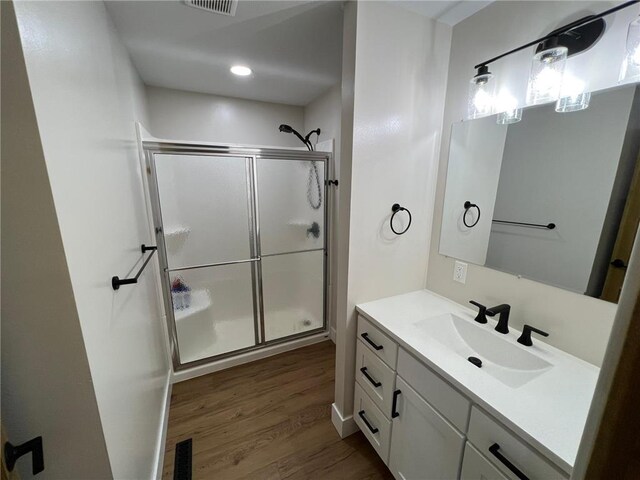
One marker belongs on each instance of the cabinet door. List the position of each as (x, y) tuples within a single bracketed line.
[(476, 467), (423, 444)]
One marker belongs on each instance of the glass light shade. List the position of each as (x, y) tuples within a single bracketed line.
[(509, 116), (507, 108), (572, 95), (573, 103), (481, 95), (631, 64), (545, 79)]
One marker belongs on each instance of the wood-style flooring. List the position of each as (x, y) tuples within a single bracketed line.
[(269, 419)]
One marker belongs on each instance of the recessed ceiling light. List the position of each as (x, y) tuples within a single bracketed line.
[(241, 70)]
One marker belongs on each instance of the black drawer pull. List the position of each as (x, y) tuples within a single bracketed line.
[(494, 450), (366, 422), (394, 406), (369, 377), (365, 335)]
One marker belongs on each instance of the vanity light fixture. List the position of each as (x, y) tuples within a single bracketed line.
[(547, 69), (573, 96), (509, 116), (552, 50), (631, 64), (241, 70), (507, 108), (481, 93)]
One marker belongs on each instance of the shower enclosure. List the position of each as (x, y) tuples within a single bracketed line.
[(242, 243)]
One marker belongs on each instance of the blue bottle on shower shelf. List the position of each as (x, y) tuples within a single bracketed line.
[(186, 296), (178, 289)]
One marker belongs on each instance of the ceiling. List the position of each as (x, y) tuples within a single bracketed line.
[(449, 12), (294, 47)]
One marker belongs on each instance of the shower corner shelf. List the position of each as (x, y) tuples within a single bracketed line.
[(200, 301), (178, 231), (175, 237)]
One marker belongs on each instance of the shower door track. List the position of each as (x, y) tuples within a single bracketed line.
[(250, 155)]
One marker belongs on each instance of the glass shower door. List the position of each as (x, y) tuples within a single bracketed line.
[(205, 209), (291, 206)]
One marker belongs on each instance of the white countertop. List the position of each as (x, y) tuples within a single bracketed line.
[(549, 412)]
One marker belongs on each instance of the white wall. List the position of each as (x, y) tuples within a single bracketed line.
[(87, 97), (344, 354), (47, 387), (400, 76), (476, 153), (176, 114), (577, 324), (558, 168), (325, 113)]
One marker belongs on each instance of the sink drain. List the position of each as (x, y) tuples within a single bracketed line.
[(476, 361)]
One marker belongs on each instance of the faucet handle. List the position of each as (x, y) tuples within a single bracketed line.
[(525, 338), (481, 317)]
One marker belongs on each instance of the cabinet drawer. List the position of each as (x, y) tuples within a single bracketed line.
[(477, 467), (377, 342), (448, 401), (485, 432), (378, 430), (375, 378)]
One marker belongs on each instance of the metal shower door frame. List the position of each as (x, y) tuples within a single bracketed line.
[(251, 156)]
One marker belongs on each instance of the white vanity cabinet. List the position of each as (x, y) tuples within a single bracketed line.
[(423, 428), (476, 467), (423, 443), (511, 455)]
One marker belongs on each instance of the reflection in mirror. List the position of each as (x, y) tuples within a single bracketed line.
[(554, 198)]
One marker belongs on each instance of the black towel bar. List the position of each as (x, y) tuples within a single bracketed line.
[(117, 281), (548, 226)]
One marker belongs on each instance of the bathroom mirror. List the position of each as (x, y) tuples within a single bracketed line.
[(554, 197)]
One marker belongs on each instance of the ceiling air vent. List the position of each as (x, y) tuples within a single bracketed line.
[(222, 7)]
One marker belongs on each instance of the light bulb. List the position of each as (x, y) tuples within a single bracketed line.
[(547, 68), (481, 94), (631, 63)]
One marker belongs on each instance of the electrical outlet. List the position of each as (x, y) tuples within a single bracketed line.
[(460, 272)]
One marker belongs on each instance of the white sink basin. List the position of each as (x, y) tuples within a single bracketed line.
[(502, 358)]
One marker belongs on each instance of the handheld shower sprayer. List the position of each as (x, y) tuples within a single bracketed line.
[(314, 175), (289, 129), (306, 138)]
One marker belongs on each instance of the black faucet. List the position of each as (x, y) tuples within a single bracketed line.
[(525, 338), (480, 318), (503, 319)]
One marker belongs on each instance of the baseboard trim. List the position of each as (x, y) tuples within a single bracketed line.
[(344, 425), (332, 334), (162, 431)]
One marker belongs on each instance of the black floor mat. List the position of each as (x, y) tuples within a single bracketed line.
[(182, 461)]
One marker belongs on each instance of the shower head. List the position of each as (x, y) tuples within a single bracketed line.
[(289, 129)]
